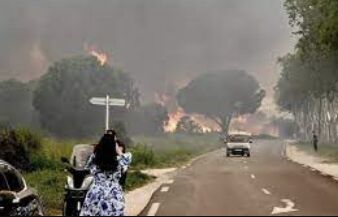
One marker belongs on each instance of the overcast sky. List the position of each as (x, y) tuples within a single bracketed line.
[(162, 43)]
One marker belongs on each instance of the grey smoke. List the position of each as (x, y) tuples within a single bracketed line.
[(162, 43)]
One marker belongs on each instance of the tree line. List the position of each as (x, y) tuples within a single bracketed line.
[(308, 86), (58, 102)]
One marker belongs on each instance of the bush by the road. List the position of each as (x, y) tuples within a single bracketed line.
[(18, 146)]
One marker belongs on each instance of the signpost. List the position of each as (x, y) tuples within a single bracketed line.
[(107, 102)]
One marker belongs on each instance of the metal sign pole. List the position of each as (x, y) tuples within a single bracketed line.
[(107, 112)]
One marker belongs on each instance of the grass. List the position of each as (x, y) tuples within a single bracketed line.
[(170, 150), (328, 151), (149, 152), (50, 185)]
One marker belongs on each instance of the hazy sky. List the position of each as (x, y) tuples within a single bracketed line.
[(162, 43)]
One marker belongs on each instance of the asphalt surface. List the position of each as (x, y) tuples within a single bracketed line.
[(265, 184)]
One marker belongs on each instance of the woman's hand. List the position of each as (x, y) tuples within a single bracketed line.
[(119, 150)]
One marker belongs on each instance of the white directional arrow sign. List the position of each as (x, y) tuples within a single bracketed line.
[(111, 102), (107, 102), (289, 207)]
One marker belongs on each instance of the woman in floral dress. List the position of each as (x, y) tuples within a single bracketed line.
[(105, 197)]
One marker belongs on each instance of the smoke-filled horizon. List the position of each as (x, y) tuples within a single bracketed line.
[(162, 43)]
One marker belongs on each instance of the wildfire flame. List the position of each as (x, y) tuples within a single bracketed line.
[(176, 113), (174, 118), (101, 57)]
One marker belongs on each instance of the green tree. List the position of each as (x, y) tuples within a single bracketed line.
[(221, 96), (16, 103), (62, 96), (149, 119), (307, 87)]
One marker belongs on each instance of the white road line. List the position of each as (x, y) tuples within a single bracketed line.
[(165, 189), (153, 209), (184, 167), (324, 174), (246, 167), (253, 176), (265, 191), (290, 207), (245, 161), (171, 181)]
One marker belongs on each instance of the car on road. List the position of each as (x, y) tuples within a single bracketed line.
[(16, 198), (238, 144)]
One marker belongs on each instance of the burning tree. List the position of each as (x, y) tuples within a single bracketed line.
[(221, 96)]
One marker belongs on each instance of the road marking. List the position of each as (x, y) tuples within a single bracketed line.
[(246, 167), (171, 181), (324, 174), (153, 209), (184, 167), (165, 189), (290, 207), (265, 191), (245, 161), (253, 176)]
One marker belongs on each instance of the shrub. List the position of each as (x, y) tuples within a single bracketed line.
[(143, 156), (18, 145), (137, 179)]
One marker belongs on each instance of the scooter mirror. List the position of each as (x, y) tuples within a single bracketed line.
[(64, 160)]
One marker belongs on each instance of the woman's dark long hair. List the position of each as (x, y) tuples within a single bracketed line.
[(105, 153)]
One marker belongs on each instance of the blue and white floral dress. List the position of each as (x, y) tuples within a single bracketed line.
[(105, 197)]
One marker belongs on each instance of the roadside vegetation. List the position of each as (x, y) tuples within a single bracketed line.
[(327, 151), (307, 88)]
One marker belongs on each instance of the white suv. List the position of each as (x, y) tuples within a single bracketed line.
[(238, 144)]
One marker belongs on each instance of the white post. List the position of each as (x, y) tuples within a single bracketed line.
[(107, 112)]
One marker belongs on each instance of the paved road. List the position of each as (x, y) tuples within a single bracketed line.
[(266, 182)]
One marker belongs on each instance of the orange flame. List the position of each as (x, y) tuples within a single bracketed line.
[(176, 113), (174, 118), (102, 58)]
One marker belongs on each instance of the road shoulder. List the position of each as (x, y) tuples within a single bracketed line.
[(138, 199), (313, 162)]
